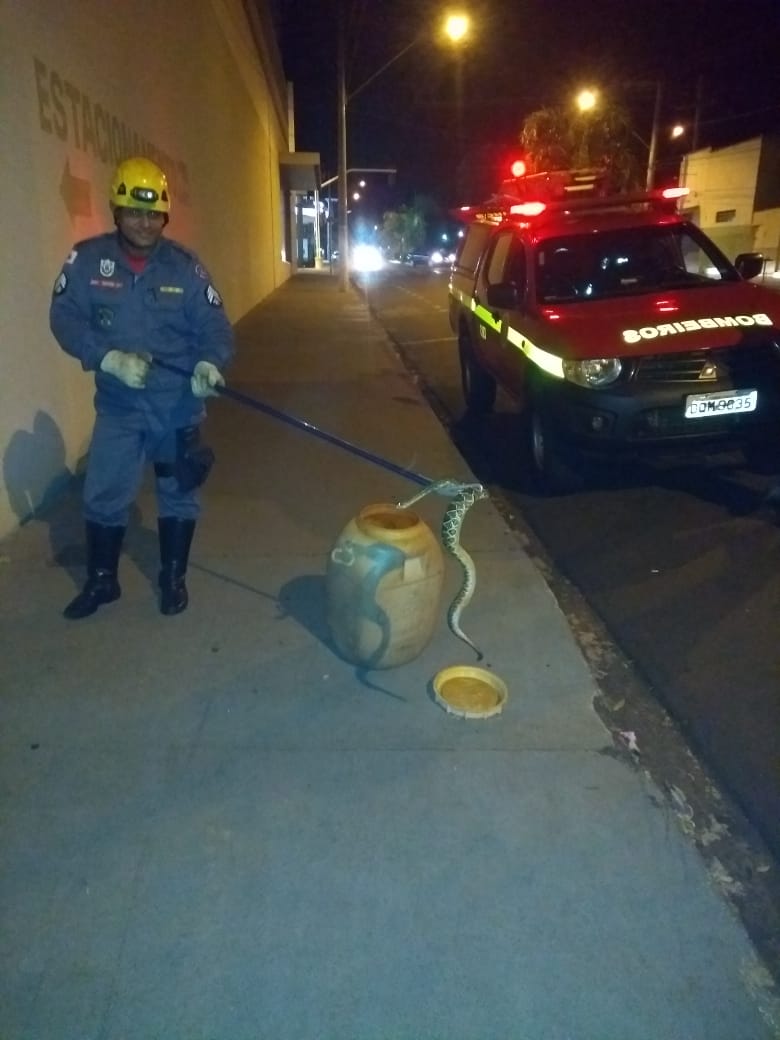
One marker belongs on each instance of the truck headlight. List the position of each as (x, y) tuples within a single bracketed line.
[(592, 373)]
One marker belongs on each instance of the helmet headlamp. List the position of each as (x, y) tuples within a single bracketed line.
[(143, 194)]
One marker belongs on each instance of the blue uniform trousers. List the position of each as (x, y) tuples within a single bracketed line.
[(120, 450)]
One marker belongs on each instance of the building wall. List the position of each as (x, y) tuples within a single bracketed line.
[(723, 181), (195, 85), (767, 238), (768, 178)]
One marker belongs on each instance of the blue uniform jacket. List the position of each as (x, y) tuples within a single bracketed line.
[(171, 311)]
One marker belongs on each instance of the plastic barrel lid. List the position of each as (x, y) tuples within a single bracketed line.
[(472, 693)]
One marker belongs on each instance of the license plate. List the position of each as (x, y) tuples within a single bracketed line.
[(727, 402)]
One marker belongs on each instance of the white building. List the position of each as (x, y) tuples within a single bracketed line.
[(734, 196)]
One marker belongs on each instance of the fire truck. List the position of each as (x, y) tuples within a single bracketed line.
[(617, 326)]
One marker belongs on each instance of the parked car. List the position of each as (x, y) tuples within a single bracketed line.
[(416, 259)]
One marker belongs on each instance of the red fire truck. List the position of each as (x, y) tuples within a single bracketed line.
[(615, 323)]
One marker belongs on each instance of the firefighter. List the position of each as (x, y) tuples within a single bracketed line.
[(122, 300)]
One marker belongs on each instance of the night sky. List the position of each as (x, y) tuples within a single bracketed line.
[(435, 118)]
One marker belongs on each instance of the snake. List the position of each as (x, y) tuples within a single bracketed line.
[(463, 496)]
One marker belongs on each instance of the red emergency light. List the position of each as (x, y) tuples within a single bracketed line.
[(527, 209), (517, 168)]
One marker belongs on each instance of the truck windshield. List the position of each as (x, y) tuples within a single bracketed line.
[(626, 262)]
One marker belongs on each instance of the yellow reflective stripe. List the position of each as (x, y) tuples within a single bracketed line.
[(542, 358), (484, 315)]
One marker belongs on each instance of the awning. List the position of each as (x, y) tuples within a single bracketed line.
[(300, 171)]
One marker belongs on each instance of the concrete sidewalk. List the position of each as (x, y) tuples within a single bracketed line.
[(214, 828)]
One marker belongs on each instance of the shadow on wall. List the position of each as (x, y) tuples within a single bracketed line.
[(29, 462), (33, 493)]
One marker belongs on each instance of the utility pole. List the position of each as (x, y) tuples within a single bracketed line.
[(654, 135), (697, 112), (342, 146)]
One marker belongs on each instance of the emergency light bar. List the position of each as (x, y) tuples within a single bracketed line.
[(527, 209), (563, 191), (557, 184)]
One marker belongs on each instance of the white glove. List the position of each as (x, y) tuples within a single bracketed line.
[(130, 369), (204, 378)]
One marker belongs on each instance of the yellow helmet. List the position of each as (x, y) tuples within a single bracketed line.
[(140, 184)]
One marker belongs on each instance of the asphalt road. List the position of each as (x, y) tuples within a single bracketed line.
[(681, 564)]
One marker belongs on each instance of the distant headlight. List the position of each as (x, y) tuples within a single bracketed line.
[(436, 258), (593, 372), (367, 258)]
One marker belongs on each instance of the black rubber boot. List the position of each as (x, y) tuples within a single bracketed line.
[(175, 541), (104, 545)]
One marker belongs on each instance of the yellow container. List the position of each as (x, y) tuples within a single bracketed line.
[(383, 587), (472, 693)]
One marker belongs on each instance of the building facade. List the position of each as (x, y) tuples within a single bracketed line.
[(196, 85), (734, 196)]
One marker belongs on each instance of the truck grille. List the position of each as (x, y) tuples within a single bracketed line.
[(736, 365)]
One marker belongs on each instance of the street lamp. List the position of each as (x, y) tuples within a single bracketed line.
[(456, 28), (587, 100)]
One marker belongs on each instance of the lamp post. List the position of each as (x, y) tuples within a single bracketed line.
[(342, 146), (456, 28), (654, 135), (588, 99)]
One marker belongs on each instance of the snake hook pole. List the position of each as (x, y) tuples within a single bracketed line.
[(302, 424), (463, 494)]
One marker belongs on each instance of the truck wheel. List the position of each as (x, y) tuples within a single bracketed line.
[(479, 388), (555, 468)]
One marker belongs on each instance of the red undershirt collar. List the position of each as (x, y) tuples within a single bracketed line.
[(136, 263)]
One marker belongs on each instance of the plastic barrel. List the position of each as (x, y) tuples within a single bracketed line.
[(383, 588)]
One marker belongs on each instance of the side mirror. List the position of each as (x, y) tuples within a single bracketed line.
[(749, 264), (503, 296)]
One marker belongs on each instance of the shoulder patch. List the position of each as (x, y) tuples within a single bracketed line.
[(213, 296), (61, 284)]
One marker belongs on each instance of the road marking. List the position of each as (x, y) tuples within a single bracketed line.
[(422, 342)]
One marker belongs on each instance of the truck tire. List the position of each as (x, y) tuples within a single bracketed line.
[(479, 388), (555, 469)]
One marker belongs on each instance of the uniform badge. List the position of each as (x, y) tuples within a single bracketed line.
[(213, 296), (61, 284), (104, 317), (107, 268), (72, 256)]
